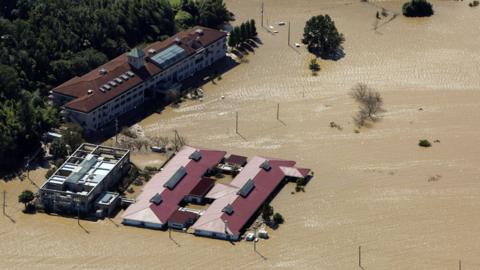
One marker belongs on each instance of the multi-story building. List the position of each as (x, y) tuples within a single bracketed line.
[(85, 181), (104, 94)]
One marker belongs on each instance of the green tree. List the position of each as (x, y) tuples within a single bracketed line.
[(58, 149), (190, 7), (232, 39), (72, 136), (26, 197), (248, 28), (10, 83), (253, 28), (267, 212), (50, 172), (417, 8), (237, 35), (212, 13), (321, 36), (314, 66), (244, 35), (183, 19), (278, 218)]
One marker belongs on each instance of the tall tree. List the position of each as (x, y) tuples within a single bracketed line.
[(321, 36), (26, 197), (244, 35), (253, 28)]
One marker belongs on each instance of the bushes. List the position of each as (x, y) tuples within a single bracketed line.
[(417, 8), (424, 143), (278, 218), (314, 66), (474, 3)]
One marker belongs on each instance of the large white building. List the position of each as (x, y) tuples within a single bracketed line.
[(85, 181), (104, 94)]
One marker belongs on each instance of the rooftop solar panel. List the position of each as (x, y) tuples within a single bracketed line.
[(169, 56), (266, 165), (196, 156), (156, 199), (176, 177), (246, 189), (228, 209)]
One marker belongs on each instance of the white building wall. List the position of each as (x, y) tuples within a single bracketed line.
[(126, 102)]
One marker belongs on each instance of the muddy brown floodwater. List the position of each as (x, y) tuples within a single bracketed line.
[(370, 188)]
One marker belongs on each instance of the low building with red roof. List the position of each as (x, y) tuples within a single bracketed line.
[(233, 206), (197, 195), (165, 192), (120, 85)]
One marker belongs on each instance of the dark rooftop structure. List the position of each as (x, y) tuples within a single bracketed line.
[(182, 219), (236, 160), (203, 187)]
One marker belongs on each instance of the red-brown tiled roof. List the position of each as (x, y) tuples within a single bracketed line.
[(203, 187), (195, 171), (265, 182), (78, 87), (182, 217)]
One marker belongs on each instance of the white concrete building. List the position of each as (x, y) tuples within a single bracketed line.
[(82, 183), (119, 86)]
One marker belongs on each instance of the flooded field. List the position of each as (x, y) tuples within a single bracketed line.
[(408, 207)]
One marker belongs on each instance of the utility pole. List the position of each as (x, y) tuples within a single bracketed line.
[(360, 256), (4, 201), (255, 241), (278, 111), (236, 122), (288, 33), (78, 214), (261, 12)]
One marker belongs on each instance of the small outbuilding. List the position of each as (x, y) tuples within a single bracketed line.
[(182, 220), (197, 195), (235, 160)]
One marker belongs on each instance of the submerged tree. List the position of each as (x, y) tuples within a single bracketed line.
[(26, 197), (278, 218), (321, 36), (267, 212), (417, 8), (371, 104)]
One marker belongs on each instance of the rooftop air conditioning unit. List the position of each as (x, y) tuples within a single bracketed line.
[(151, 51), (177, 40), (199, 31), (90, 91), (102, 71)]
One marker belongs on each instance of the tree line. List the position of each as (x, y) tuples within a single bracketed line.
[(43, 43), (242, 33)]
